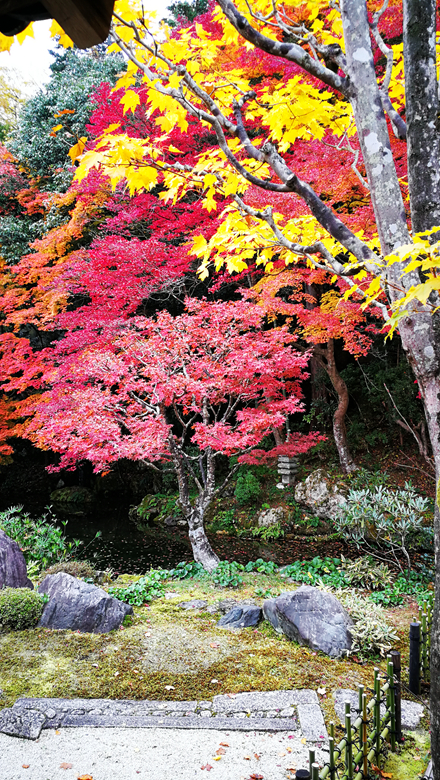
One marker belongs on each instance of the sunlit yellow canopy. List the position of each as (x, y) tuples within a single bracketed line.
[(87, 22)]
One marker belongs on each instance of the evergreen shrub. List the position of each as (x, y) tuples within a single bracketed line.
[(20, 608)]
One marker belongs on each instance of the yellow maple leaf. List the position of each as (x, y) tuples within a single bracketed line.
[(130, 100), (76, 150)]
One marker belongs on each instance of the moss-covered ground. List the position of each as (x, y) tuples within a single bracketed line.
[(175, 654)]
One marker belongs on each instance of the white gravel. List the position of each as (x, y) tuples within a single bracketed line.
[(153, 754)]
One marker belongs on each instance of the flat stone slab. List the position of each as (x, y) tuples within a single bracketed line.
[(312, 722), (411, 711), (294, 710), (264, 700)]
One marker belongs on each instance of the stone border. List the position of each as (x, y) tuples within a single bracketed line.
[(294, 710)]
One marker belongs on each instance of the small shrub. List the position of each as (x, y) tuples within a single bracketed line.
[(79, 569), (383, 519), (371, 632), (267, 532), (20, 608), (41, 541), (365, 573), (224, 521), (226, 574), (247, 489)]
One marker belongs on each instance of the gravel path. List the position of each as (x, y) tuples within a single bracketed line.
[(153, 754)]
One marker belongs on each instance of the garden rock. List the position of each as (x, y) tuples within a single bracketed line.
[(13, 573), (226, 605), (194, 604), (80, 606), (269, 517), (313, 618), (241, 617), (319, 495)]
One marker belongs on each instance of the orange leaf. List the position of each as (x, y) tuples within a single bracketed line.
[(225, 744), (220, 752), (25, 766), (85, 777)]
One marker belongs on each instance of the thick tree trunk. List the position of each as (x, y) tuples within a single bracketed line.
[(421, 104), (419, 332), (422, 334), (202, 550), (328, 362)]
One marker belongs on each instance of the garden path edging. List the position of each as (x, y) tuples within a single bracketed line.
[(292, 710)]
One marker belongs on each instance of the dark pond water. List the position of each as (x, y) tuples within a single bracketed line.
[(127, 550), (121, 545)]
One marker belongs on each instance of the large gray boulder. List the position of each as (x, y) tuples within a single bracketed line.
[(319, 495), (80, 606), (311, 617), (13, 572)]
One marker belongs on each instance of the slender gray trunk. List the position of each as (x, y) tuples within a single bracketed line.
[(195, 513), (202, 550)]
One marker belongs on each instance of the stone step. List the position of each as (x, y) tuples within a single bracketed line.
[(295, 710)]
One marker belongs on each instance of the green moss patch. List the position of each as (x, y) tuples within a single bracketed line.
[(411, 758)]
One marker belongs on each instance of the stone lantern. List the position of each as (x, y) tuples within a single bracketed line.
[(287, 470)]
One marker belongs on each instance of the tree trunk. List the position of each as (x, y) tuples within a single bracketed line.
[(194, 513), (202, 550), (328, 362), (420, 331)]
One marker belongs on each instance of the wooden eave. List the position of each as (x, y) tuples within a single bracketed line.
[(87, 23)]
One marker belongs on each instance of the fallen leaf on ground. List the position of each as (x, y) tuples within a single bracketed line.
[(256, 777), (58, 732), (281, 753), (216, 758), (25, 766), (225, 744), (247, 758), (65, 765), (208, 767), (303, 740), (220, 752), (257, 756), (85, 777), (231, 695), (382, 774), (289, 750), (214, 644)]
